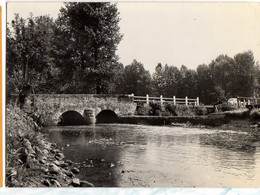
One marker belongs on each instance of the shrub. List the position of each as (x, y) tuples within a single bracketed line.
[(171, 108), (255, 114), (238, 114), (156, 108), (200, 110), (142, 109), (225, 107)]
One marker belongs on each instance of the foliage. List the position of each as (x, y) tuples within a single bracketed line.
[(143, 109), (77, 54), (136, 79), (171, 108), (156, 108), (237, 114), (92, 34), (28, 60), (255, 114)]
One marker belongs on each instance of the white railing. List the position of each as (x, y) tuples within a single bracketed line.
[(184, 101), (244, 101)]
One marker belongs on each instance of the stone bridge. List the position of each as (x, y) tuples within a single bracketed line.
[(50, 107)]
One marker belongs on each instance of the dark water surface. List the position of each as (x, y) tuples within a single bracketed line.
[(155, 156)]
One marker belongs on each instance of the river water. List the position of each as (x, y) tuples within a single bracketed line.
[(121, 155)]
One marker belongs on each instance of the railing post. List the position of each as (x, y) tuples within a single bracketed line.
[(198, 101), (174, 100), (147, 98), (186, 101), (161, 99)]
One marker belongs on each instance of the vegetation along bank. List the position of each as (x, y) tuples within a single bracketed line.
[(32, 161)]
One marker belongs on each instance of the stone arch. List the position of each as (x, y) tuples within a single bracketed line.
[(106, 116), (71, 117)]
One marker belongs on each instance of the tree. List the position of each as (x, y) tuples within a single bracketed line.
[(158, 80), (92, 33), (28, 63), (222, 70), (243, 74), (205, 84), (137, 80)]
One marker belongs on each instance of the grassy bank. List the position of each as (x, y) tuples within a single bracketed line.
[(31, 161)]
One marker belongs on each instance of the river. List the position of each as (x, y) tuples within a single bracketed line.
[(121, 155)]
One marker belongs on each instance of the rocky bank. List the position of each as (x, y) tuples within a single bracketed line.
[(31, 161)]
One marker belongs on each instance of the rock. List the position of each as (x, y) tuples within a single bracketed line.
[(56, 163), (69, 174), (44, 170), (59, 156), (86, 184), (37, 150), (54, 145), (75, 182), (63, 176), (42, 161), (69, 162), (63, 165), (75, 170), (27, 143), (47, 183), (47, 146), (41, 142), (55, 183), (45, 151), (54, 169), (43, 158), (30, 150)]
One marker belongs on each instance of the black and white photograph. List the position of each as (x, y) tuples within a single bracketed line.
[(132, 94)]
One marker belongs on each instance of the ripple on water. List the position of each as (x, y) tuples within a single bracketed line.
[(159, 156)]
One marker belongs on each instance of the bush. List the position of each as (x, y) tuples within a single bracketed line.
[(200, 110), (238, 114), (156, 108), (255, 114), (142, 109), (171, 108), (225, 107)]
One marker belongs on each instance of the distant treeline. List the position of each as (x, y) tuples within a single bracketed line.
[(76, 53)]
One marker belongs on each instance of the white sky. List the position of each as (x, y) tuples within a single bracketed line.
[(174, 33)]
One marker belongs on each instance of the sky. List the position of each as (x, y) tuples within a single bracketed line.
[(174, 33)]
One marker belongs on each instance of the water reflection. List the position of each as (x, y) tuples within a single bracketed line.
[(150, 156)]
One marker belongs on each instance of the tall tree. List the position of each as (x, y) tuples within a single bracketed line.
[(205, 84), (92, 34), (158, 80), (137, 80), (243, 71), (222, 69), (29, 44)]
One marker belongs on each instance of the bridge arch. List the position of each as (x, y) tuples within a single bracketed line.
[(106, 116), (71, 117), (50, 107)]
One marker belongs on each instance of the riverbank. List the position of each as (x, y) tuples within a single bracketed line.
[(32, 161), (215, 120), (242, 120)]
